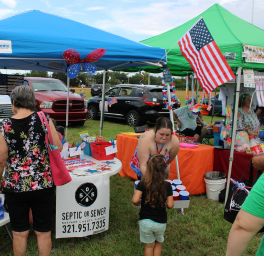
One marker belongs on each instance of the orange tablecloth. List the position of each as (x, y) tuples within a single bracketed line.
[(193, 163)]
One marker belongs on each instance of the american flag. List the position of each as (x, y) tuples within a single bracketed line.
[(142, 96), (205, 57), (9, 82), (114, 100), (111, 101)]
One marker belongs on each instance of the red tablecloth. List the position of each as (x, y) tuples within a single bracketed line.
[(193, 163), (221, 163)]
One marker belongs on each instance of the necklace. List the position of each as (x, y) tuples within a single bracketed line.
[(158, 151), (157, 148)]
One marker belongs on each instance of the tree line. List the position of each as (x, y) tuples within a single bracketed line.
[(112, 78)]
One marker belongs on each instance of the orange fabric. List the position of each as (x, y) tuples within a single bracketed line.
[(193, 163)]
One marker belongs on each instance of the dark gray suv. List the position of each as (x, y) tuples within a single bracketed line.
[(130, 105), (96, 89)]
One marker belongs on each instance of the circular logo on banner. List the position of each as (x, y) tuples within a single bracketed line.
[(86, 194)]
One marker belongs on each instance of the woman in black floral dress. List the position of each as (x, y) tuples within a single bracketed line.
[(27, 179)]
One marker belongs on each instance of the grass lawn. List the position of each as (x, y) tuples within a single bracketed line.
[(201, 231)]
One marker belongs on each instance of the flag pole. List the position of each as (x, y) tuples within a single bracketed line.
[(103, 104), (67, 107), (234, 126)]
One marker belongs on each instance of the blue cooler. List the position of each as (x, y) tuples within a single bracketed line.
[(217, 141), (261, 134)]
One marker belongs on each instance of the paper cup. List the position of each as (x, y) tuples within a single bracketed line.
[(177, 182), (173, 188), (184, 195), (169, 181), (176, 196), (180, 188)]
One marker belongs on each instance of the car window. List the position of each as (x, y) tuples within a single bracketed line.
[(25, 82), (155, 94), (111, 92), (96, 86), (125, 91), (48, 85)]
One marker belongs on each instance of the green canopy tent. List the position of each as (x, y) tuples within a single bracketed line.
[(230, 34)]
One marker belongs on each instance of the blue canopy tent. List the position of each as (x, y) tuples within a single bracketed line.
[(38, 40), (35, 40)]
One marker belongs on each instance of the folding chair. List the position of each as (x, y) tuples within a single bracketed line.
[(60, 129), (139, 129), (207, 138), (4, 222)]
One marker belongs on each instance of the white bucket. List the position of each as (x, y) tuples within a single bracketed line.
[(213, 187)]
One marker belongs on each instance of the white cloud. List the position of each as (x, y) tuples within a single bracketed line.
[(156, 18), (227, 1), (68, 13), (46, 2), (95, 8), (150, 20), (4, 13), (10, 3)]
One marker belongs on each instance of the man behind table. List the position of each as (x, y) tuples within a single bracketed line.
[(186, 123)]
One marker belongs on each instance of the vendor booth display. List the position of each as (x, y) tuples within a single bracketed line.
[(242, 48), (223, 26), (82, 206), (191, 174)]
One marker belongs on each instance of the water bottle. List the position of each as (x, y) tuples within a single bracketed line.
[(254, 146), (1, 209)]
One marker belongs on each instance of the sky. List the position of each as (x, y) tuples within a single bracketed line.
[(133, 19)]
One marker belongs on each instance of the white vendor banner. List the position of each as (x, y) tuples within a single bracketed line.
[(82, 206), (249, 80), (253, 54)]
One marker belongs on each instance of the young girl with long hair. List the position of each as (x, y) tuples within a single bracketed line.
[(156, 196)]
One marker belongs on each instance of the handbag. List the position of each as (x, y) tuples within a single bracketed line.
[(60, 173), (238, 192)]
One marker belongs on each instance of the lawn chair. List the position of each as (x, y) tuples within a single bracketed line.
[(208, 137), (4, 222), (140, 129)]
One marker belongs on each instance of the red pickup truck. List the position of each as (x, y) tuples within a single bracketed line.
[(51, 97)]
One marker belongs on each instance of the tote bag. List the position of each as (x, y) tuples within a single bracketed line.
[(238, 192), (59, 172)]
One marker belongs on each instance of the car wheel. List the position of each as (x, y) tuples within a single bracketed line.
[(92, 112), (133, 118)]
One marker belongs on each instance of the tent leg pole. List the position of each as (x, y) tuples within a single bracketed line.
[(197, 92), (173, 129), (213, 107), (234, 126), (67, 108), (103, 104)]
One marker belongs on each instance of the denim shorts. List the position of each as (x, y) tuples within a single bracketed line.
[(151, 231)]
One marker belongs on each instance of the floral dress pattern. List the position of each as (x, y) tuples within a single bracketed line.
[(28, 167), (247, 120)]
